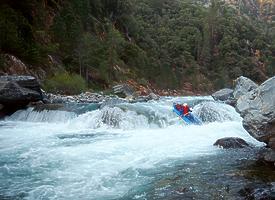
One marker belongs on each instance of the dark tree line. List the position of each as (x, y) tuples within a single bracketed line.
[(161, 42)]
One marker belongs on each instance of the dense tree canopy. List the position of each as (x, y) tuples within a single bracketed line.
[(164, 43)]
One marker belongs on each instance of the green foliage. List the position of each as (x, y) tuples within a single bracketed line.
[(17, 37), (65, 83), (166, 43)]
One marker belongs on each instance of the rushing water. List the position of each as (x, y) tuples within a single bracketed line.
[(126, 151)]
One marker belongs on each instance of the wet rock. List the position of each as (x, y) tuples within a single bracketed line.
[(225, 95), (243, 85), (267, 155), (258, 191), (257, 108), (207, 111), (231, 142)]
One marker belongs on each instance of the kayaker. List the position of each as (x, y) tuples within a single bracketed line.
[(186, 109)]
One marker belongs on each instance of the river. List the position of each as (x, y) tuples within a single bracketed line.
[(126, 151)]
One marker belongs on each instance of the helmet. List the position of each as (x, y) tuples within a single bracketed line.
[(185, 104)]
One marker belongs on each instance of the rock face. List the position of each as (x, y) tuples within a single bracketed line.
[(124, 89), (267, 155), (225, 95), (14, 65), (258, 191), (231, 142), (243, 85), (18, 91), (258, 111)]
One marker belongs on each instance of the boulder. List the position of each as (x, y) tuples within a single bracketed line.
[(124, 90), (243, 85), (267, 155), (17, 91), (210, 111), (12, 93), (28, 82), (231, 142), (258, 191), (223, 95), (257, 108)]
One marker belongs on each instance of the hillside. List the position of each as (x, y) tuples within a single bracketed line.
[(180, 44)]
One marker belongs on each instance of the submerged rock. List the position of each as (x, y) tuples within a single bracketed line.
[(231, 142), (243, 85), (258, 111)]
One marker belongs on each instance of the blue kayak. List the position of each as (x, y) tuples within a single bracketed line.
[(188, 119)]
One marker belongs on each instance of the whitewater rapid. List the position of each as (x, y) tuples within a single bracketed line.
[(105, 153)]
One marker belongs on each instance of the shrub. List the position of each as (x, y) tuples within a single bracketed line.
[(65, 83)]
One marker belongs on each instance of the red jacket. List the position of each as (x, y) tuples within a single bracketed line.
[(185, 109)]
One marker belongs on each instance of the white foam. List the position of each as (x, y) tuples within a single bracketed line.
[(99, 155)]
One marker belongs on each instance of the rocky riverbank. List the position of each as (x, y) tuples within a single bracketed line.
[(16, 92), (256, 105)]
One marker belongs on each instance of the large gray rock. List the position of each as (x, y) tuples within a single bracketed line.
[(258, 191), (223, 94), (257, 108), (19, 90), (243, 85), (29, 82)]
